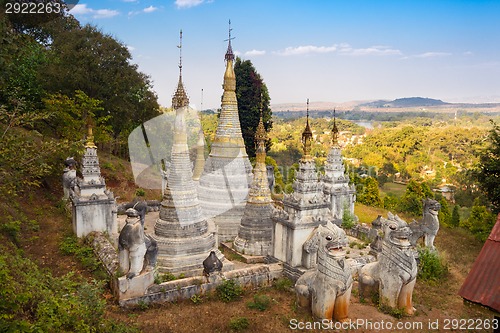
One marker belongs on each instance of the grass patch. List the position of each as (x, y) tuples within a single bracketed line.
[(230, 255), (367, 214), (393, 188), (239, 324), (70, 245), (260, 302)]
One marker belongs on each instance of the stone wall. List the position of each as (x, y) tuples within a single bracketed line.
[(254, 276)]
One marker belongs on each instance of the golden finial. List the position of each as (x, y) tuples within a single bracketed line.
[(90, 137), (260, 137), (260, 133), (335, 131), (307, 135)]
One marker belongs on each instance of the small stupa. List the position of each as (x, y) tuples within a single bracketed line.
[(94, 207), (227, 174), (304, 210), (336, 181), (255, 235)]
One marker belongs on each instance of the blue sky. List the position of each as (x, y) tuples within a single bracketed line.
[(328, 51)]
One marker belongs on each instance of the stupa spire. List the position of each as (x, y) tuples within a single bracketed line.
[(223, 186), (307, 136), (180, 98), (335, 131), (229, 53)]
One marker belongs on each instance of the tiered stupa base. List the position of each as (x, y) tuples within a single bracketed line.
[(223, 191), (255, 235)]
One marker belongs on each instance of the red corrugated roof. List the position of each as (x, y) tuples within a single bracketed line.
[(482, 285)]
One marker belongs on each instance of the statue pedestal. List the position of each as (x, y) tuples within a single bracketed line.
[(94, 214), (134, 287)]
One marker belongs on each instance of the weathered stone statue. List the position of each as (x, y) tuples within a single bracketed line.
[(428, 227), (327, 289), (212, 264), (69, 177), (140, 205), (393, 276), (132, 245)]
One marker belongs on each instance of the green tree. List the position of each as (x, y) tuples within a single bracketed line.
[(69, 116), (488, 173), (86, 59), (455, 217), (251, 91), (480, 220), (444, 214), (370, 194)]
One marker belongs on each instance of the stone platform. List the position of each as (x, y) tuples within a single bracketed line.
[(245, 257)]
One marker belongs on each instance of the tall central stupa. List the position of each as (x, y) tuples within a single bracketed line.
[(183, 235), (223, 186)]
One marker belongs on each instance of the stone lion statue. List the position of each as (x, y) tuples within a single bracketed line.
[(393, 276), (136, 251), (427, 227), (69, 177), (327, 289)]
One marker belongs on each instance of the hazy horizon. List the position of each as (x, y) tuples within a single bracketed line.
[(330, 51)]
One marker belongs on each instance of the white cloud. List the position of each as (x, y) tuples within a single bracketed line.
[(343, 48), (468, 53), (82, 9), (150, 9), (130, 48), (188, 3), (299, 50), (146, 10), (254, 53), (376, 50), (237, 53), (432, 54)]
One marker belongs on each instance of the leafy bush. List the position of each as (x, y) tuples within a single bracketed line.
[(260, 302), (347, 218), (283, 284), (140, 192), (165, 278), (32, 300), (11, 229), (239, 324), (431, 266), (229, 291)]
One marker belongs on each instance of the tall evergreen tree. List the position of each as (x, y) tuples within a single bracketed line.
[(455, 217), (444, 213), (488, 174), (249, 89)]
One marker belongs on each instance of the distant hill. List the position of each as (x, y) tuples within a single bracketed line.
[(405, 103), (399, 104)]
